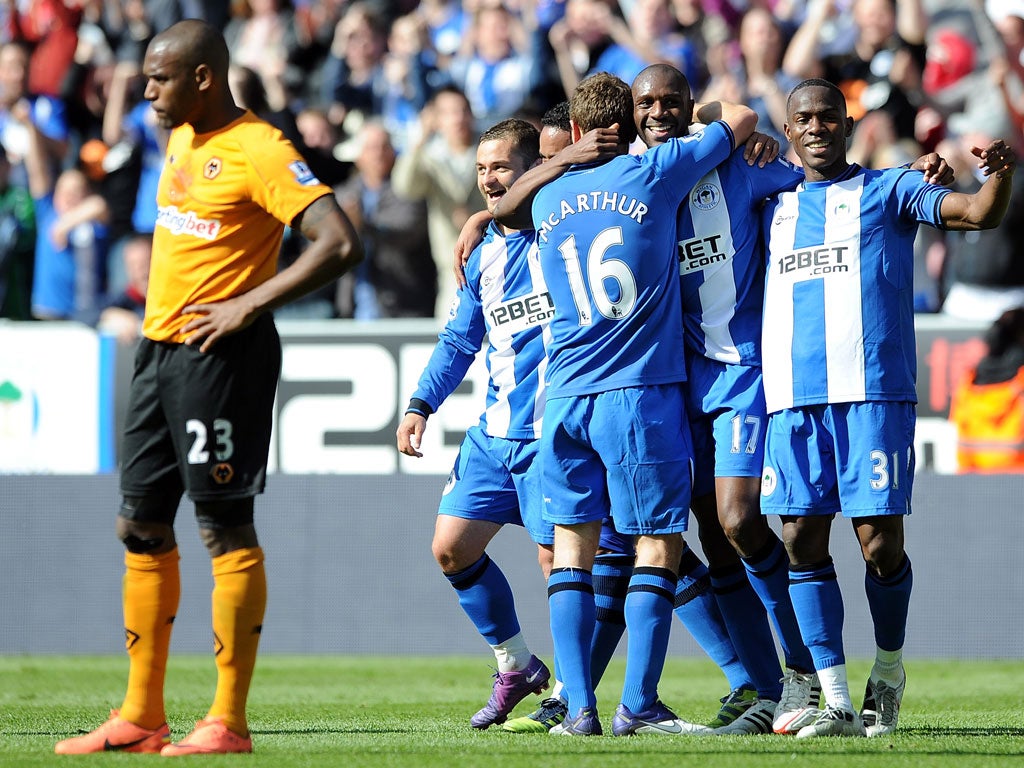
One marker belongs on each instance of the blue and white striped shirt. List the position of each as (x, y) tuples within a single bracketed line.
[(505, 304), (721, 265), (839, 299)]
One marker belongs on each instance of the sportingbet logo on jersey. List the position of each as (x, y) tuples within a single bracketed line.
[(186, 223), (522, 312)]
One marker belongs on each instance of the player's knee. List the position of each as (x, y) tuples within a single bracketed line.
[(745, 531), (145, 538), (446, 556), (883, 555), (453, 555), (226, 526), (145, 525)]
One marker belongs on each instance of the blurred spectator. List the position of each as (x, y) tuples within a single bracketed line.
[(129, 27), (121, 315), (500, 65), (447, 24), (17, 246), (987, 407), (70, 257), (578, 38), (85, 86), (757, 79), (133, 164), (647, 35), (398, 277), (50, 28), (130, 24), (353, 74), (315, 21), (440, 168), (706, 26), (46, 113), (261, 36), (983, 272), (880, 70), (409, 67)]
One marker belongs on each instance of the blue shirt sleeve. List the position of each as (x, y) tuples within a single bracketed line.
[(458, 343), (681, 162), (780, 175), (919, 202)]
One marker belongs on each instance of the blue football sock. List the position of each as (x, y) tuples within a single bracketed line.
[(571, 604), (751, 634), (697, 608), (648, 619), (486, 597), (768, 571), (889, 601), (611, 582), (818, 603)]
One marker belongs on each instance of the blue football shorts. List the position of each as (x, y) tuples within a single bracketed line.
[(854, 458), (626, 451), (613, 541), (728, 420), (498, 480)]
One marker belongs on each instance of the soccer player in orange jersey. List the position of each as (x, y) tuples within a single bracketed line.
[(202, 393)]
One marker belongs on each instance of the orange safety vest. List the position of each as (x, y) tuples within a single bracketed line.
[(990, 425)]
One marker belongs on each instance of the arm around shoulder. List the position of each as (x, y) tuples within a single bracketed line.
[(986, 207), (741, 120)]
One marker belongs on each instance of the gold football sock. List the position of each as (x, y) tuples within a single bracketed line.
[(152, 588), (239, 600)]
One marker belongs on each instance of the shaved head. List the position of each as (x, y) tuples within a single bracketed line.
[(195, 43), (663, 73)]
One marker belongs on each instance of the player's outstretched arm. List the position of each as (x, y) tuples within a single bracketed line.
[(334, 249), (986, 207), (513, 210)]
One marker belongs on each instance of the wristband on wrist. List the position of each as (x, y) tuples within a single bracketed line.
[(419, 407)]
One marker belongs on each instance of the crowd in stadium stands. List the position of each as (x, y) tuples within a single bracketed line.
[(386, 99)]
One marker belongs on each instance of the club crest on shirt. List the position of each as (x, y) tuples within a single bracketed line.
[(768, 481), (842, 210), (705, 196), (303, 175), (212, 168)]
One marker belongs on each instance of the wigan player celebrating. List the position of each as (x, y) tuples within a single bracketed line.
[(505, 303), (616, 437), (839, 376)]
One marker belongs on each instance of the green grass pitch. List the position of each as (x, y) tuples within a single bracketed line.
[(326, 711)]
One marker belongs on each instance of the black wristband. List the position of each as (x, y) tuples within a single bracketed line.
[(420, 407)]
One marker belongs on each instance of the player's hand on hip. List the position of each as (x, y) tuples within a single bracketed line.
[(212, 321)]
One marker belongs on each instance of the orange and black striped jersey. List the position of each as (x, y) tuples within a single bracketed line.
[(223, 202)]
